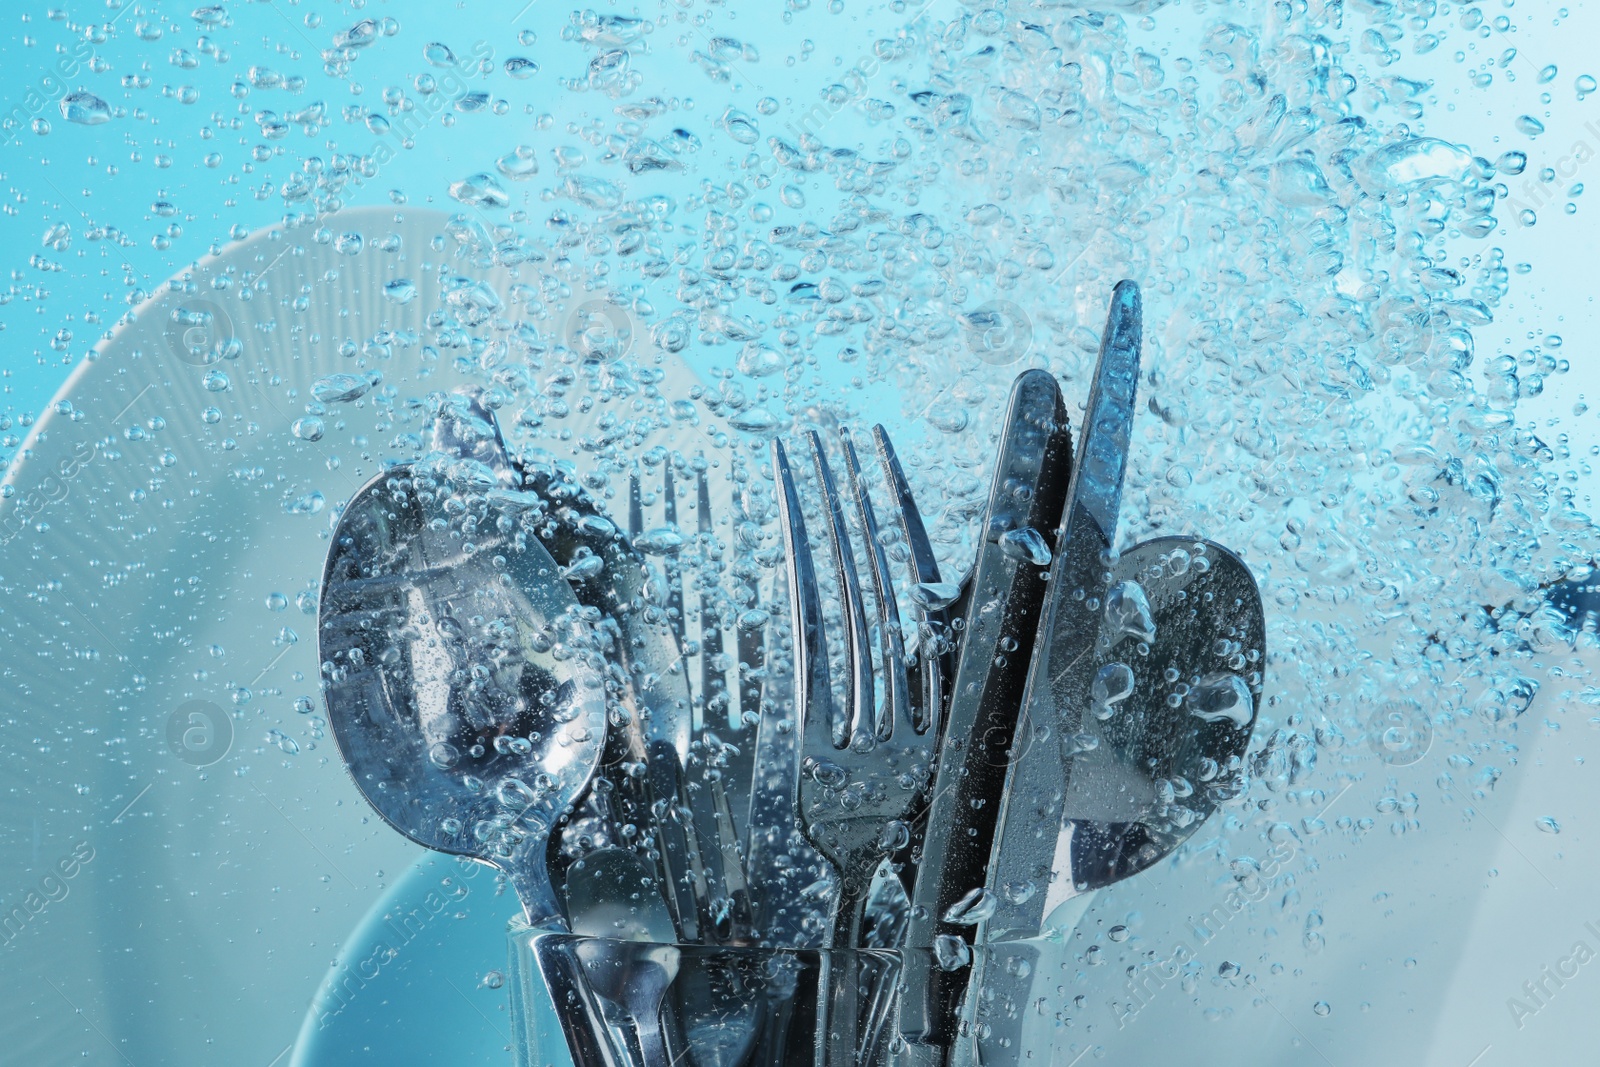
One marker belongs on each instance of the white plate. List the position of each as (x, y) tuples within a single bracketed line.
[(140, 545)]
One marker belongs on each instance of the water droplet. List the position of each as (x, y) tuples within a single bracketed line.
[(480, 190), (1027, 545), (1220, 696), (1548, 825), (519, 164), (1127, 613), (520, 67), (978, 905), (951, 953), (84, 108), (1112, 684), (342, 388), (310, 504)]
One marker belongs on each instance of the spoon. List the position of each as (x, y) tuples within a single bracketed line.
[(453, 658), (615, 899)]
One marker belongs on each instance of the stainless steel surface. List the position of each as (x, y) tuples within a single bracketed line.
[(726, 1006), (613, 893), (862, 770), (974, 778), (1128, 782), (1001, 607), (452, 686)]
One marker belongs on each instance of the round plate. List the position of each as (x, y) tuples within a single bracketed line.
[(189, 852)]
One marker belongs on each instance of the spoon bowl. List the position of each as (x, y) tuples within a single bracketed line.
[(458, 669)]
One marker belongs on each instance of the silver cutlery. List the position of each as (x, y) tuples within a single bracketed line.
[(1001, 606), (1140, 698), (869, 871), (627, 955), (458, 669), (862, 770)]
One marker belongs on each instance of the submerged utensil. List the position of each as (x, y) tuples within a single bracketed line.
[(1002, 606), (1149, 724), (859, 773), (1140, 698), (614, 897), (453, 671)]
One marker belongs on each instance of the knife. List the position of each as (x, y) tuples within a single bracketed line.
[(1002, 608), (1022, 885)]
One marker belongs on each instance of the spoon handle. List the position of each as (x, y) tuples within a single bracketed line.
[(530, 880)]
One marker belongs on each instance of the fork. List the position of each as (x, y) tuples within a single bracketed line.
[(863, 770)]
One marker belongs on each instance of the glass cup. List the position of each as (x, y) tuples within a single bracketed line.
[(608, 1003)]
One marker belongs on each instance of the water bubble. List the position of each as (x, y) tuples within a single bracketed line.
[(1529, 125), (951, 953), (1322, 1007), (310, 504), (976, 906), (1127, 613), (1026, 545), (480, 190), (1112, 684), (439, 54), (519, 164), (308, 429), (342, 388), (1547, 825), (1222, 696), (84, 108)]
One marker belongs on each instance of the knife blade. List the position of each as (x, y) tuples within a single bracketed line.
[(1024, 845), (1007, 590)]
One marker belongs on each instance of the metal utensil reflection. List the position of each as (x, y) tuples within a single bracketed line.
[(460, 710)]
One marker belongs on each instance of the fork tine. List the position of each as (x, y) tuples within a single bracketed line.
[(928, 698), (635, 507), (812, 686), (891, 646), (861, 701)]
